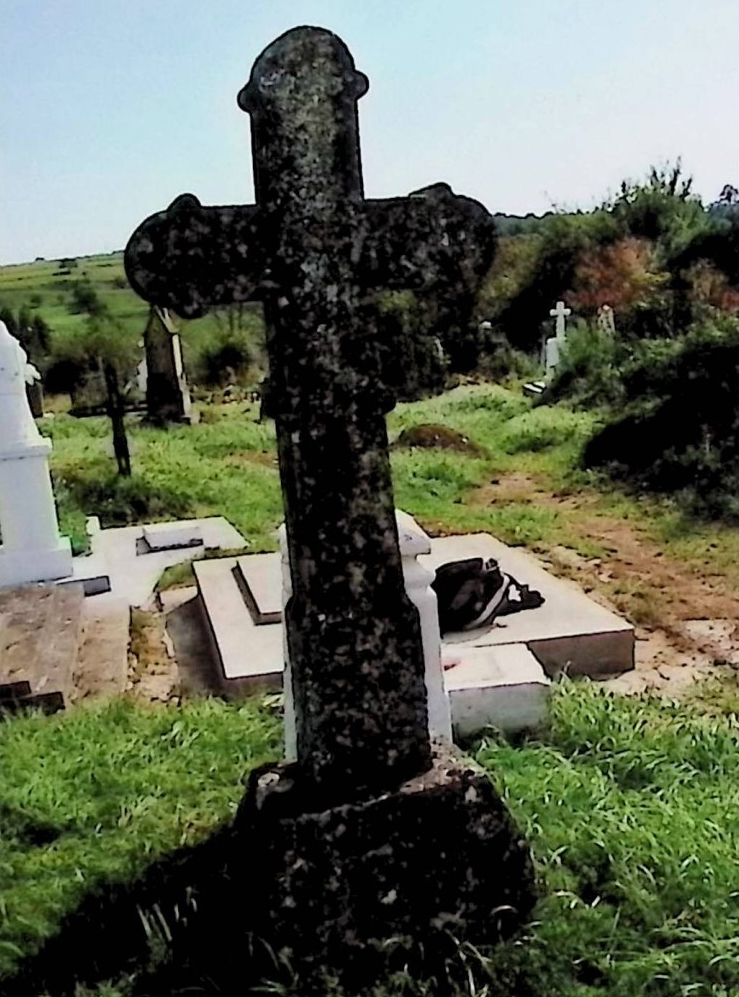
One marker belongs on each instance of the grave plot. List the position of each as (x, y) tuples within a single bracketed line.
[(499, 675)]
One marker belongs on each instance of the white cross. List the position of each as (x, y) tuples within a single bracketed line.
[(560, 313)]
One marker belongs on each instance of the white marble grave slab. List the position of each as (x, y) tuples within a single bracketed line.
[(499, 679), (169, 536), (248, 653), (261, 577), (503, 687), (570, 632)]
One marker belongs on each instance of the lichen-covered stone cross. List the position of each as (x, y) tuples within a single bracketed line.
[(312, 249)]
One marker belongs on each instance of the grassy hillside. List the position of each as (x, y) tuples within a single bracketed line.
[(46, 288), (520, 451)]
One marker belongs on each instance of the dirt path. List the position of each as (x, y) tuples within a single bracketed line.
[(686, 617)]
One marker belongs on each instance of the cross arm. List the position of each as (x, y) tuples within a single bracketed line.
[(191, 258), (431, 240)]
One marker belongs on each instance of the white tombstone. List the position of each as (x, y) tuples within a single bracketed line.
[(554, 345), (141, 377), (31, 548), (605, 320), (413, 541)]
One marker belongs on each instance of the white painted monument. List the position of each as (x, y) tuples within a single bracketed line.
[(31, 548), (554, 345), (413, 541)]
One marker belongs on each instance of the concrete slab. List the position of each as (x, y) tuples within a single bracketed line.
[(503, 687), (40, 635), (133, 576), (170, 536), (501, 679), (570, 632), (248, 654), (261, 578), (102, 662)]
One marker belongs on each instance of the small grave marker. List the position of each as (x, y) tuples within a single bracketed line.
[(167, 391), (554, 345)]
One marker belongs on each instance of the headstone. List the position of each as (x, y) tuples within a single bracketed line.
[(31, 549), (605, 320), (141, 376), (35, 392), (367, 780), (167, 391), (555, 344)]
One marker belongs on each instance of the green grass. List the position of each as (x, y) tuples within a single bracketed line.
[(47, 291), (226, 466), (223, 467), (631, 806), (98, 793)]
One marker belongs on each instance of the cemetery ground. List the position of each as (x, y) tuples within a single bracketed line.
[(630, 802)]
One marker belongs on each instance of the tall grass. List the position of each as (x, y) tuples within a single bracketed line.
[(98, 793), (630, 806)]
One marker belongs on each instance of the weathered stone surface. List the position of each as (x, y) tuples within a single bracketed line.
[(39, 636), (438, 859), (311, 249), (35, 394), (167, 393)]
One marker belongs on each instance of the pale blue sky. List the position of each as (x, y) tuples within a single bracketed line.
[(110, 108)]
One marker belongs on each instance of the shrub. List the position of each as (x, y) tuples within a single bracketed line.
[(412, 357), (85, 299), (680, 430), (589, 370), (227, 358)]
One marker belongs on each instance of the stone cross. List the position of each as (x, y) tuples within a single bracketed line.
[(560, 314), (553, 346), (313, 250)]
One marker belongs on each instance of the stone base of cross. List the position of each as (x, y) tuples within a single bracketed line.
[(437, 861)]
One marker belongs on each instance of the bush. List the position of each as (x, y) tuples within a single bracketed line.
[(589, 371), (85, 299), (412, 357), (226, 359), (680, 430)]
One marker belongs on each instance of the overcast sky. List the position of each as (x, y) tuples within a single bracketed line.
[(110, 108)]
